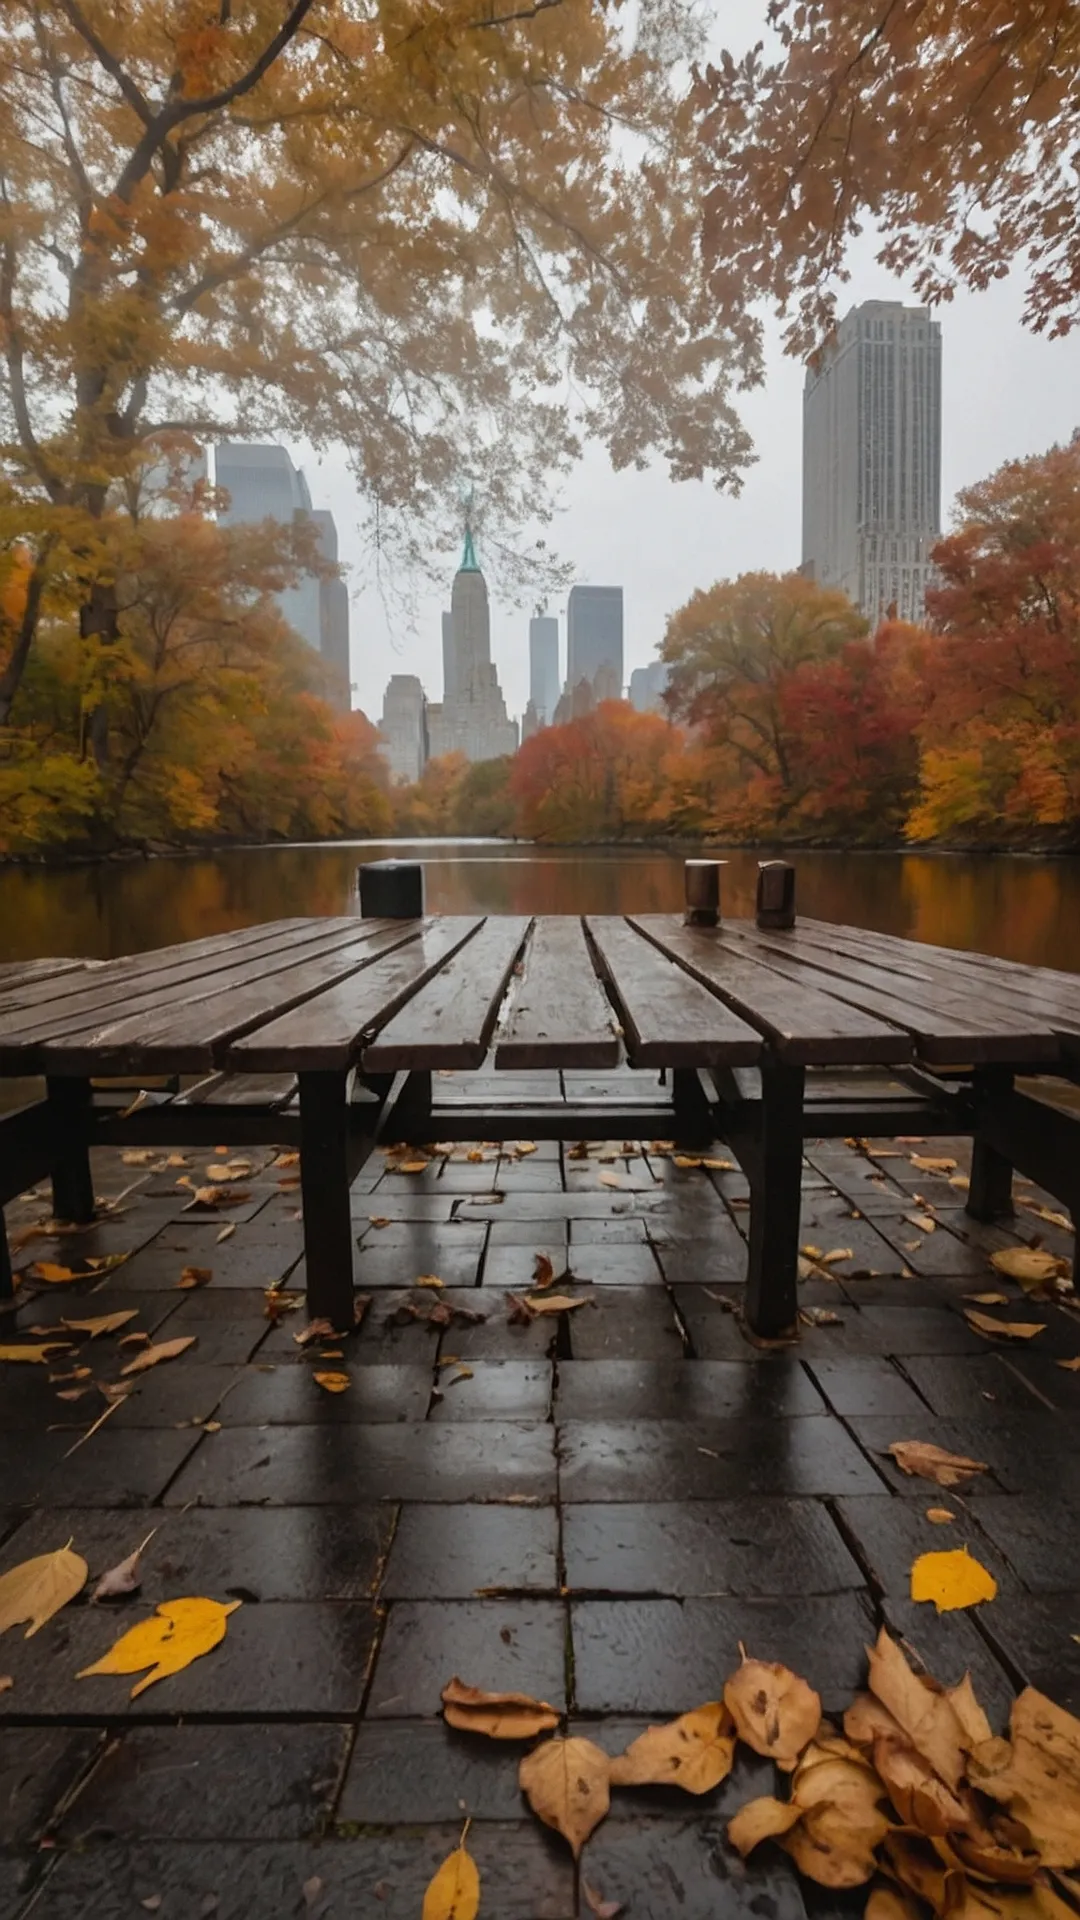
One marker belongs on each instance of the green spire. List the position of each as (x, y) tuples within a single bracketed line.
[(469, 561)]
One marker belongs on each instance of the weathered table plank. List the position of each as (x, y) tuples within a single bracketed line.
[(559, 1015), (134, 968), (17, 976), (668, 1017), (449, 1022), (325, 1034), (1049, 999), (189, 1036), (806, 1023)]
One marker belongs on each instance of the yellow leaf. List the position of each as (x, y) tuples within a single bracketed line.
[(719, 1166), (226, 1232), (836, 1253), (923, 1222), (525, 1146), (429, 1280), (939, 1516), (500, 1716), (103, 1323), (36, 1355), (557, 1302), (566, 1785), (922, 1457), (179, 1632), (813, 1253), (926, 1163), (612, 1179), (929, 1719), (951, 1580), (774, 1710), (286, 1160), (543, 1272), (411, 1166), (333, 1382), (988, 1299), (992, 1329), (1036, 1772), (1071, 1366), (48, 1270), (195, 1277), (694, 1752), (1033, 1267), (960, 1181), (39, 1588), (454, 1893), (762, 1819), (164, 1350), (683, 1160)]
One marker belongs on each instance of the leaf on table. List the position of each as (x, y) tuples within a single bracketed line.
[(454, 1893), (928, 1718), (867, 1720), (1036, 1773), (38, 1588), (960, 1181), (179, 1632), (919, 1797), (929, 1462), (761, 1819), (543, 1272), (566, 1783), (35, 1355), (463, 1373), (931, 1163), (558, 1302), (164, 1350), (952, 1580), (332, 1382), (694, 1752), (499, 1716), (1032, 1267), (226, 1231), (428, 1280), (125, 1577), (820, 1317), (600, 1908), (195, 1277), (988, 1299), (774, 1710), (278, 1303), (56, 1275), (101, 1323), (923, 1222), (992, 1329), (939, 1516)]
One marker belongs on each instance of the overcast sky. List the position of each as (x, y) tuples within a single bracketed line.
[(1005, 393)]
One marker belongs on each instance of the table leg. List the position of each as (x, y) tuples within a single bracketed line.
[(775, 1173), (324, 1186), (990, 1189), (7, 1278), (69, 1132)]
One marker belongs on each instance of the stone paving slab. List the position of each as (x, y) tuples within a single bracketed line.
[(595, 1507)]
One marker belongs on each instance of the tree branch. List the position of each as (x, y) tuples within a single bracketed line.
[(134, 95)]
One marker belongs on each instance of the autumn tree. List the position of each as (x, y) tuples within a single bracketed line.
[(411, 227), (732, 651), (952, 128), (853, 719), (483, 805), (603, 777), (1001, 733)]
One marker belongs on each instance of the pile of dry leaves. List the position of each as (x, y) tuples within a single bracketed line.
[(913, 1798)]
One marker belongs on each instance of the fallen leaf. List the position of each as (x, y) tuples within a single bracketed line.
[(1061, 1220), (151, 1903), (929, 1462), (557, 1302), (992, 1329), (761, 1819), (951, 1580), (842, 1818), (960, 1181), (939, 1516), (289, 1159), (35, 1356), (694, 1752), (195, 1277), (919, 1797), (463, 1373), (988, 1299), (1036, 1772), (179, 1632), (543, 1272), (411, 1166), (126, 1577), (600, 1908), (774, 1711), (1071, 1366), (923, 1222), (38, 1588), (454, 1893), (332, 1382), (6, 1682), (566, 1785), (137, 1339), (226, 1232), (926, 1163), (962, 1699), (927, 1717), (429, 1280), (719, 1166), (1031, 1267), (813, 1253), (378, 1220), (500, 1716), (164, 1350), (835, 1254), (140, 1157), (315, 1330), (525, 1146), (102, 1323), (48, 1270), (820, 1317)]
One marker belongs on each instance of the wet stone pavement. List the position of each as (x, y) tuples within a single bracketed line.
[(595, 1507)]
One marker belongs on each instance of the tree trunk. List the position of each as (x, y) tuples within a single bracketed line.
[(98, 618), (11, 678)]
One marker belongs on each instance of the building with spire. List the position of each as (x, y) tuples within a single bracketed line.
[(472, 717)]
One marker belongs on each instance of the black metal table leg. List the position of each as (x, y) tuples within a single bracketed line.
[(990, 1190), (324, 1186), (70, 1102), (775, 1173)]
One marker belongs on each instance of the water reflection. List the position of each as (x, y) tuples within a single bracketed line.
[(1022, 909)]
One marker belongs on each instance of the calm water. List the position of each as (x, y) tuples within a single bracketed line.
[(1019, 908)]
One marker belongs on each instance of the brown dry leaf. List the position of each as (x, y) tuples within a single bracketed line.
[(179, 1632), (866, 1720), (140, 1157), (38, 1588), (719, 1166), (600, 1908), (920, 1798), (988, 1299), (960, 1181), (454, 1892), (992, 1329), (428, 1280), (923, 1222), (939, 1516), (1061, 1220), (332, 1382), (411, 1166), (1071, 1366), (774, 1710), (566, 1783), (196, 1277), (501, 1716), (843, 1820), (1032, 1267), (836, 1254), (612, 1179), (929, 1462), (694, 1752), (101, 1323), (820, 1317), (952, 1580), (1037, 1775), (315, 1330), (543, 1272), (378, 1220), (164, 1350), (212, 1197), (762, 1819), (226, 1231), (35, 1355), (524, 1147), (55, 1275), (463, 1373), (928, 1163), (289, 1159), (133, 1340), (962, 1699), (126, 1577), (813, 1253), (927, 1717), (557, 1302), (6, 1682)]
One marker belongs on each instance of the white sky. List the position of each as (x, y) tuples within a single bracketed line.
[(1005, 393)]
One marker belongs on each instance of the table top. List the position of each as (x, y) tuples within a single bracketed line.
[(557, 991)]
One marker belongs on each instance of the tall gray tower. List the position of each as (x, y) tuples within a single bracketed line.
[(263, 484), (872, 458), (594, 638), (544, 684), (472, 719)]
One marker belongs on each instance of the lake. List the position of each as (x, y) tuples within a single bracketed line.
[(1020, 908)]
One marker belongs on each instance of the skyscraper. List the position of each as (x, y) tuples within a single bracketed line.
[(333, 615), (594, 637), (404, 726), (544, 680), (263, 484), (872, 458), (647, 687), (472, 718)]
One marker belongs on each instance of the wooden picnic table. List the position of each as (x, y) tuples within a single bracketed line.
[(326, 1033)]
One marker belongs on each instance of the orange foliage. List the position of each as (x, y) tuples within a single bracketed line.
[(605, 777)]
